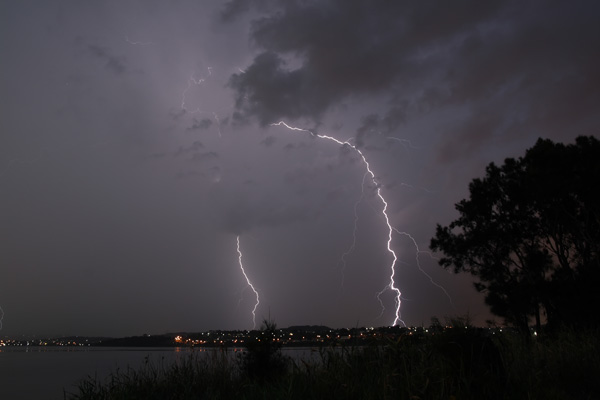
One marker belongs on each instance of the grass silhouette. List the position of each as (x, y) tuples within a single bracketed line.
[(458, 363)]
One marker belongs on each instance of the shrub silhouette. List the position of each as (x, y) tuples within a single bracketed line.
[(473, 356), (263, 359)]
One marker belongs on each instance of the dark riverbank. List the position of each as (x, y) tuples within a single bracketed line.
[(454, 364), (302, 336)]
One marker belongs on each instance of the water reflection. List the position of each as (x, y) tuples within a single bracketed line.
[(32, 372)]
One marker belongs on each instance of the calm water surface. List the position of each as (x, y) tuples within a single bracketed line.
[(45, 372)]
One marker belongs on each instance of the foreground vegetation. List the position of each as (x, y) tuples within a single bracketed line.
[(459, 363)]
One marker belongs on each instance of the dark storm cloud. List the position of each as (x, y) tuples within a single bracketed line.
[(112, 62), (268, 141), (234, 8), (192, 148), (209, 155), (345, 48), (238, 215), (294, 146), (203, 124), (515, 65), (269, 91), (112, 192), (175, 115)]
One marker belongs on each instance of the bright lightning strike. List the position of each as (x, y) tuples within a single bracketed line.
[(248, 282), (391, 285)]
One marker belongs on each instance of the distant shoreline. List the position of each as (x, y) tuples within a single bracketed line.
[(297, 336)]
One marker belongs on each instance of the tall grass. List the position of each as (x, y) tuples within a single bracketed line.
[(563, 366), (457, 364)]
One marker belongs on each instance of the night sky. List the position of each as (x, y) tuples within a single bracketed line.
[(136, 145)]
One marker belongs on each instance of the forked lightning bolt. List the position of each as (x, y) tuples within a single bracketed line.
[(192, 81), (248, 282), (391, 285), (419, 251)]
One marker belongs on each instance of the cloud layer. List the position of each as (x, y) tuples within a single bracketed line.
[(503, 67)]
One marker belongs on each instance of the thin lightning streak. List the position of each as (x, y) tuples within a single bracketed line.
[(391, 286), (248, 282), (418, 252), (192, 81), (403, 141), (241, 298), (353, 245), (218, 122), (138, 43), (1, 317)]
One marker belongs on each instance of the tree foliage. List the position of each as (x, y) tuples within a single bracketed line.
[(530, 234)]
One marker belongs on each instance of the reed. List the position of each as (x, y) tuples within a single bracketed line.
[(465, 363)]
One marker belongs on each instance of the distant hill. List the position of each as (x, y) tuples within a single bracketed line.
[(139, 341), (309, 328), (81, 339)]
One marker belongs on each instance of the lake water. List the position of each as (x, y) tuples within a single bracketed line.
[(44, 372)]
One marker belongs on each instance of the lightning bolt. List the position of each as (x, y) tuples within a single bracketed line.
[(138, 43), (404, 142), (353, 245), (192, 81), (418, 252), (391, 285), (248, 282), (216, 116), (1, 317)]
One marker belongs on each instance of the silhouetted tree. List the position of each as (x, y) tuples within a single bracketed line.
[(530, 234)]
